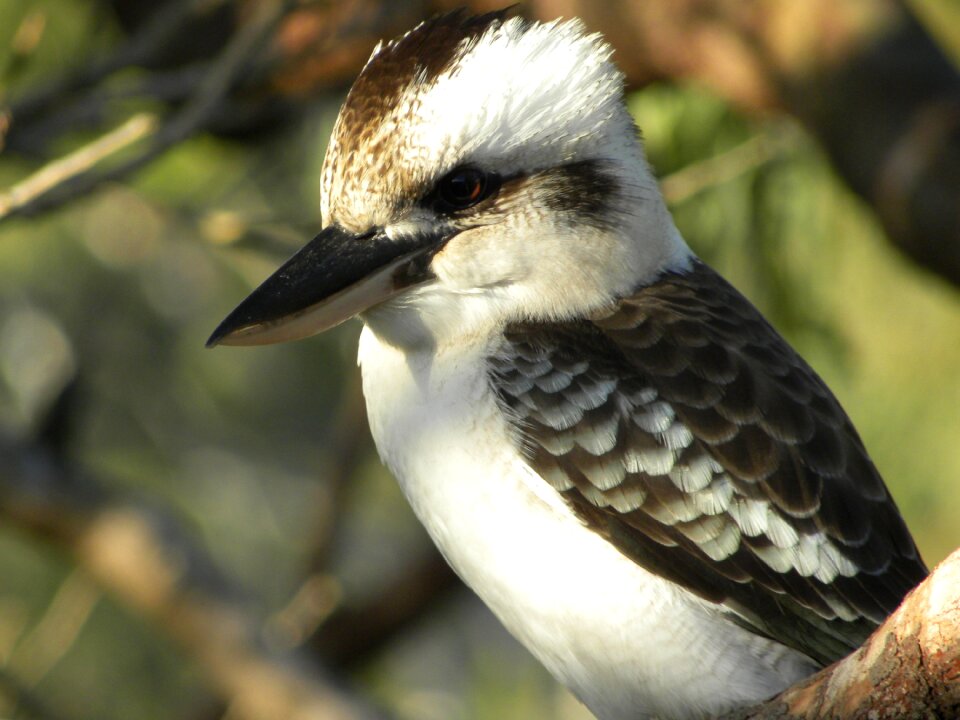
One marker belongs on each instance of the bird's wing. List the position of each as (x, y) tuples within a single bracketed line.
[(685, 430)]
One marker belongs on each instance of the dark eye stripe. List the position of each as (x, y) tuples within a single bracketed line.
[(581, 192)]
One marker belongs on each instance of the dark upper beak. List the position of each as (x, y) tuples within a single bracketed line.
[(332, 278)]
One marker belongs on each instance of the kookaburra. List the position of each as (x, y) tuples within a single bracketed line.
[(608, 443)]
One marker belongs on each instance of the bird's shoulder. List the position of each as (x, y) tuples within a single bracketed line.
[(681, 426)]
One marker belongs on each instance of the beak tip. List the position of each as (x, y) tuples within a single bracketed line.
[(218, 336)]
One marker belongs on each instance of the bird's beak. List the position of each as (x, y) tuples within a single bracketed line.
[(332, 278)]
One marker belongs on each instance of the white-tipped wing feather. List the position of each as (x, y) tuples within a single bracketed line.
[(683, 429)]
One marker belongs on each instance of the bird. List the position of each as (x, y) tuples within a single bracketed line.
[(607, 442)]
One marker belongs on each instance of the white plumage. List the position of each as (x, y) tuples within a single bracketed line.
[(629, 644)]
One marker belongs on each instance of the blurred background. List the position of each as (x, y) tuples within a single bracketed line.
[(199, 534)]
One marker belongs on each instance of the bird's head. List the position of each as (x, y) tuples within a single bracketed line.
[(482, 170)]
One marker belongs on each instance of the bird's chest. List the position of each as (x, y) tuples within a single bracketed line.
[(625, 641), (438, 428)]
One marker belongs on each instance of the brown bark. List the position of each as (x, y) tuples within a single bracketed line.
[(909, 668)]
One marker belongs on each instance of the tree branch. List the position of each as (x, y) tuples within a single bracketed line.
[(69, 166), (163, 26), (198, 110), (909, 668), (352, 635)]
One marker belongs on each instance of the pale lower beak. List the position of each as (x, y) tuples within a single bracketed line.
[(332, 278)]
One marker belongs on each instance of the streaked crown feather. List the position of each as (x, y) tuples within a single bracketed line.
[(502, 92)]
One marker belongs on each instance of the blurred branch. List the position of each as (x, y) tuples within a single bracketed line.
[(748, 155), (4, 127), (234, 59), (168, 19), (198, 110), (62, 170), (353, 635), (52, 637), (909, 668), (26, 701), (143, 556), (350, 444)]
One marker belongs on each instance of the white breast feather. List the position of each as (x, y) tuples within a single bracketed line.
[(628, 643)]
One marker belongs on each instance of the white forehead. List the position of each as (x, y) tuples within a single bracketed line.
[(522, 96)]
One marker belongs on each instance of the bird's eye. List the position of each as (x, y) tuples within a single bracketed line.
[(464, 187)]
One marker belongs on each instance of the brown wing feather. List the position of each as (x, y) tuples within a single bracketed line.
[(684, 429)]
